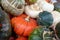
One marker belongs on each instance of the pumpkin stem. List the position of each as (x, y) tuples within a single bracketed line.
[(27, 18)]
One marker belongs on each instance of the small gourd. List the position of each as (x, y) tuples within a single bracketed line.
[(14, 7)]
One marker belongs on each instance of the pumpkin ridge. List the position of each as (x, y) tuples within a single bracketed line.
[(25, 28)]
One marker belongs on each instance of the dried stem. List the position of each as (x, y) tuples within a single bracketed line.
[(27, 19)]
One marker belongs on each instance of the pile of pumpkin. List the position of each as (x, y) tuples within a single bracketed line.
[(29, 20)]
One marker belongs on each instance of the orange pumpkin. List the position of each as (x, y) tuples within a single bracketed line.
[(23, 25), (48, 1), (21, 38)]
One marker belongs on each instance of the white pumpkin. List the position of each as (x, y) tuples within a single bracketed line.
[(32, 10), (45, 5), (56, 17)]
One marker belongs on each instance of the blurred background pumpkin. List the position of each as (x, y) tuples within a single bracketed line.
[(5, 26)]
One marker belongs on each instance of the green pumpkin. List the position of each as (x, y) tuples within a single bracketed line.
[(38, 34), (57, 6), (5, 28), (58, 30), (45, 19)]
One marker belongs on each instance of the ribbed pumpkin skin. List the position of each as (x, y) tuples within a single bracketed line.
[(5, 28), (22, 26)]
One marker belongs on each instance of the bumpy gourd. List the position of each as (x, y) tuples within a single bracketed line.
[(5, 27), (15, 7)]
